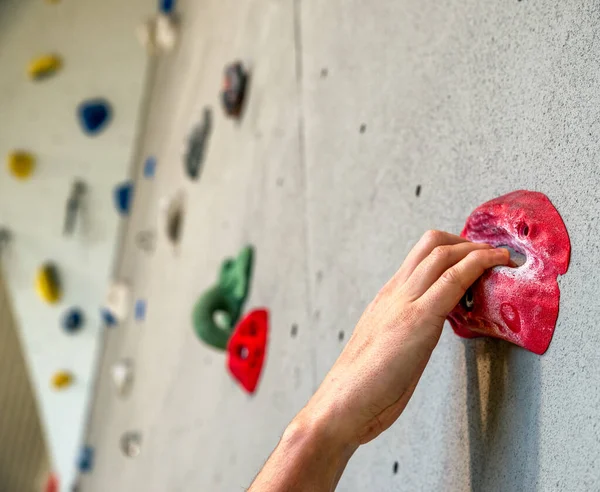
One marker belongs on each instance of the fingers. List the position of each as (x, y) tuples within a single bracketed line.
[(447, 291), (432, 267), (427, 243)]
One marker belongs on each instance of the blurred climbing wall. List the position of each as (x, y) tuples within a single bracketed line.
[(353, 107), (101, 58), (24, 463)]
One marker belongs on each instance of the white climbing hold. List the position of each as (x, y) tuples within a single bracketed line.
[(117, 302), (158, 34), (122, 376)]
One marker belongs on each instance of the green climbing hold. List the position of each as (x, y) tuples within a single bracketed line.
[(219, 308)]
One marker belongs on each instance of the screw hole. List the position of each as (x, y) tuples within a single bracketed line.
[(468, 300), (525, 230), (243, 352)]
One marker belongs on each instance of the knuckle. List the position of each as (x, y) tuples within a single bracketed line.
[(432, 237), (441, 253), (452, 277)]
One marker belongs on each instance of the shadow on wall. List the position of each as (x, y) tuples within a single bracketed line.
[(503, 405), (24, 464)]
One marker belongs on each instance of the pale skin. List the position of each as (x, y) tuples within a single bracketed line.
[(372, 381)]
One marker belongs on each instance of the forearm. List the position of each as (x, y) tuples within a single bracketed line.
[(309, 457)]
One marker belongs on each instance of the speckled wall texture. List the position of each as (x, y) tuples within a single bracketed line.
[(353, 106)]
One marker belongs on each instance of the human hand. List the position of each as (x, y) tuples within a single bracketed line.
[(375, 376)]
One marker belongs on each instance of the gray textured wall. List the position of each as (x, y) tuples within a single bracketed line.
[(468, 99)]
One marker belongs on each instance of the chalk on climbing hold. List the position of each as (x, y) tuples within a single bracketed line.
[(123, 196), (122, 376), (73, 320), (20, 164), (94, 115), (247, 347), (150, 167), (194, 158), (235, 82), (218, 309), (518, 304), (62, 380), (47, 283), (117, 303), (131, 444), (43, 66), (85, 462)]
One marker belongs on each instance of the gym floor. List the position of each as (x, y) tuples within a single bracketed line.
[(367, 123)]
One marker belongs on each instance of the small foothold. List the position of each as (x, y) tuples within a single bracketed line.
[(341, 336), (395, 467), (52, 484), (363, 128), (140, 309), (117, 304), (122, 376), (197, 143), (235, 82), (43, 67), (418, 190), (324, 73), (166, 6), (94, 115), (73, 320), (85, 463), (123, 195), (247, 347), (150, 167), (131, 444), (47, 283), (294, 330), (62, 380), (20, 164)]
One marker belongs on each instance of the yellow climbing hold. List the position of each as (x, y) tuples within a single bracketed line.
[(43, 66), (21, 164), (62, 380), (47, 283)]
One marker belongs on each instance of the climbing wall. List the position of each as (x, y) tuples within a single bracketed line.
[(367, 124), (101, 58)]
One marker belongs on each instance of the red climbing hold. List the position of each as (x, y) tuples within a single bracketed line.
[(52, 484), (246, 349), (519, 304)]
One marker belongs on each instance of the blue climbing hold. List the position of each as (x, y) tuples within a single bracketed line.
[(73, 320), (94, 115), (166, 6), (150, 167), (140, 309), (108, 317), (85, 463), (124, 197)]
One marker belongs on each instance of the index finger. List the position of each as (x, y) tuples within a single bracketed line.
[(446, 292)]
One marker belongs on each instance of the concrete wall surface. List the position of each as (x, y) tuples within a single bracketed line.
[(101, 58), (469, 100)]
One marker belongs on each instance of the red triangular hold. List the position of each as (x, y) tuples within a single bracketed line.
[(246, 348)]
